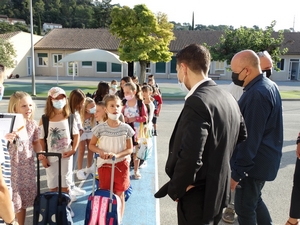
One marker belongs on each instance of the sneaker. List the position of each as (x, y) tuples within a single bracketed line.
[(228, 215), (154, 133), (71, 211), (78, 191), (81, 175), (137, 175), (91, 169), (72, 197)]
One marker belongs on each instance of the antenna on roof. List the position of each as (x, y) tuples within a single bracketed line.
[(294, 24), (193, 22)]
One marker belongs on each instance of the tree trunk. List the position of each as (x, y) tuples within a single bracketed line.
[(142, 75)]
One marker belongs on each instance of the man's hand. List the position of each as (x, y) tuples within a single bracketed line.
[(233, 184)]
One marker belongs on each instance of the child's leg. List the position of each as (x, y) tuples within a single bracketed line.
[(21, 216), (136, 164), (122, 198), (89, 155), (80, 156)]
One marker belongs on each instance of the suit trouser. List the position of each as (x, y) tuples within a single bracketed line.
[(190, 209), (295, 199)]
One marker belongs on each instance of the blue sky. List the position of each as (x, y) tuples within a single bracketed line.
[(231, 12)]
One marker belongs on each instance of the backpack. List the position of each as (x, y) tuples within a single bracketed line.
[(45, 121)]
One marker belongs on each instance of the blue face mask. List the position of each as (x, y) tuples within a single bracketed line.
[(59, 104), (93, 110)]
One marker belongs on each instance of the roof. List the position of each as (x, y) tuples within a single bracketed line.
[(78, 39), (7, 36)]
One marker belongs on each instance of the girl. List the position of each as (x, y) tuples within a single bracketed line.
[(58, 140), (102, 90), (22, 155), (88, 121), (123, 81), (76, 103), (148, 101), (113, 87), (135, 113), (114, 140), (100, 115)]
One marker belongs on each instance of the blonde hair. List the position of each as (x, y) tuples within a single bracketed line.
[(15, 99), (87, 101), (49, 108), (75, 98)]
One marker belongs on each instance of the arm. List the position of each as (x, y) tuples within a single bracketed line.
[(94, 148), (74, 146), (6, 212), (127, 151), (298, 147), (42, 158)]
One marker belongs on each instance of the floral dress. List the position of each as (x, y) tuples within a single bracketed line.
[(23, 172)]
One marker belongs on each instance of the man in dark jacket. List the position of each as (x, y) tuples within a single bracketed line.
[(206, 132)]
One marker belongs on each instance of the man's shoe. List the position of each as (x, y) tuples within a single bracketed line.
[(228, 215)]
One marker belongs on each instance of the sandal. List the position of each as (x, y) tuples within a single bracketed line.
[(289, 223)]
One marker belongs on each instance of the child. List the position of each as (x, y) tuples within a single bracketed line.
[(76, 103), (59, 140), (22, 155), (102, 90), (100, 115), (113, 87), (88, 121), (123, 81), (114, 140), (152, 82), (158, 103), (135, 113), (148, 101)]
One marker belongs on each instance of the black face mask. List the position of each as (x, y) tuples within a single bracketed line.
[(235, 78), (268, 72)]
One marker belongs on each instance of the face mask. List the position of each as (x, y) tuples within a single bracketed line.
[(182, 86), (92, 110), (129, 97), (59, 104), (268, 72), (113, 116), (1, 91), (235, 78), (114, 86)]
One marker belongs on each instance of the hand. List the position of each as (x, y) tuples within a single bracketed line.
[(131, 120), (11, 137), (298, 151), (233, 184), (44, 160), (68, 153), (189, 187)]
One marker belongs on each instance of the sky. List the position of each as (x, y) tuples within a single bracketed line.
[(234, 13)]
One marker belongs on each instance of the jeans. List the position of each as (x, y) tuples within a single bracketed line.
[(249, 206)]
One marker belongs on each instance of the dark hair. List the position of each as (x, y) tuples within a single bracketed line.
[(134, 87), (120, 92), (102, 90), (196, 57)]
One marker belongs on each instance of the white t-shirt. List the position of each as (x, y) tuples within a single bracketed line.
[(235, 90), (112, 139), (58, 139)]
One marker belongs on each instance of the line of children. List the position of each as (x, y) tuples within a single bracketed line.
[(115, 139), (59, 140), (88, 121), (22, 155)]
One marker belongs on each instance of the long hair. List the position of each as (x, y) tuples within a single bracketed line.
[(15, 99), (49, 109), (87, 101), (120, 93), (102, 104), (102, 90), (75, 99)]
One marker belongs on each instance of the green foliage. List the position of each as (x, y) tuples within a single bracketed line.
[(255, 39), (7, 53), (6, 27), (143, 36)]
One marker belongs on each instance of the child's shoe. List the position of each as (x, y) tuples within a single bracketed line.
[(137, 175), (81, 175)]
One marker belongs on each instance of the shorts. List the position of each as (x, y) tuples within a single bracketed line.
[(66, 173), (154, 120), (86, 136), (121, 180)]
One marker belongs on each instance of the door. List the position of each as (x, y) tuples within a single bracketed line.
[(294, 69), (29, 66), (72, 69)]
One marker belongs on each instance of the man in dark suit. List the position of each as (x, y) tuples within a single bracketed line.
[(207, 130)]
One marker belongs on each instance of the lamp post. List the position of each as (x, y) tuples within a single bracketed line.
[(32, 52)]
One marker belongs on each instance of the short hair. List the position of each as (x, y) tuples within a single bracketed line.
[(75, 98), (264, 54), (49, 108), (196, 57), (14, 100)]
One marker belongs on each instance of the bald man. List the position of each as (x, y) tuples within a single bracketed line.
[(256, 160)]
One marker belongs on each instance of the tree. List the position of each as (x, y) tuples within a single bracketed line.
[(255, 39), (7, 53), (102, 12), (143, 37)]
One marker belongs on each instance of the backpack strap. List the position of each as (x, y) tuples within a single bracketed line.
[(45, 121), (70, 121)]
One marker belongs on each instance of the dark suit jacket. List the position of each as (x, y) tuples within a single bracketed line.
[(204, 137)]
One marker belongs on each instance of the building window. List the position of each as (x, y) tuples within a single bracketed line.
[(56, 58), (115, 67), (42, 59), (220, 65), (280, 64), (148, 67), (160, 67), (173, 65), (86, 63), (101, 67)]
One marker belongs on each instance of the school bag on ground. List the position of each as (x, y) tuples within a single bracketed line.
[(51, 207), (103, 207)]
